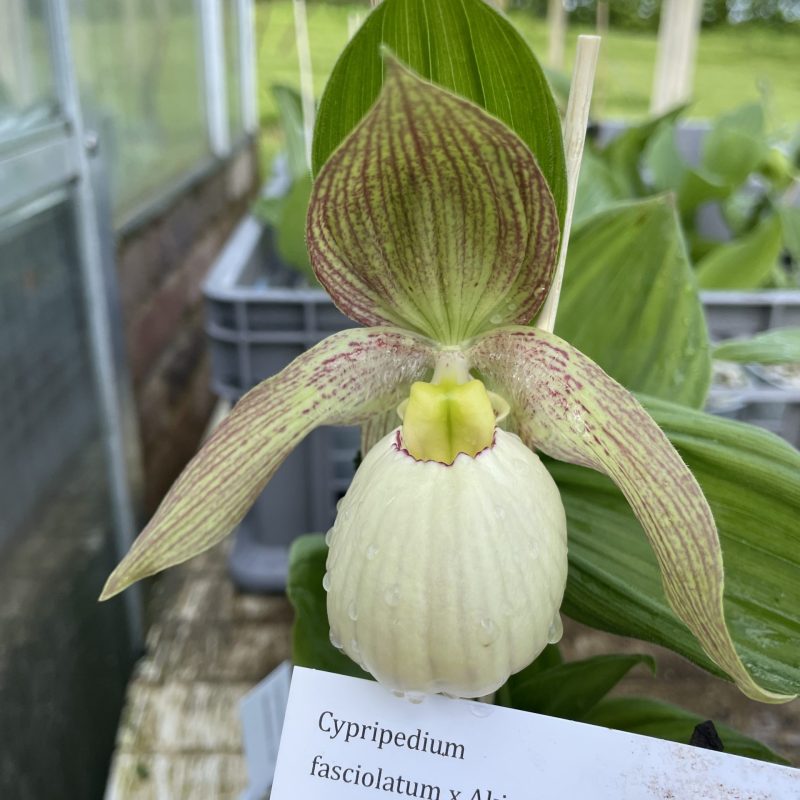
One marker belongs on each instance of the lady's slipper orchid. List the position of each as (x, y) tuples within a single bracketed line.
[(433, 226)]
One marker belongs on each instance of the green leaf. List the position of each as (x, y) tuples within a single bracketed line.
[(597, 188), (745, 263), (751, 480), (571, 690), (663, 721), (667, 171), (311, 645), (735, 145), (629, 264), (464, 46), (790, 224), (290, 112), (778, 346), (432, 216), (623, 154), (291, 227), (563, 404), (344, 380)]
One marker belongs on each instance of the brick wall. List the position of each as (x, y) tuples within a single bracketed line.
[(162, 265)]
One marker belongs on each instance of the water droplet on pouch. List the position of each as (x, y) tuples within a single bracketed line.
[(556, 630), (352, 611), (335, 641), (326, 581), (392, 595), (487, 631), (398, 693), (415, 697), (496, 319), (372, 551), (354, 646), (329, 537)]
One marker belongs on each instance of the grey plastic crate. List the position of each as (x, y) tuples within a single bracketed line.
[(731, 315), (260, 316)]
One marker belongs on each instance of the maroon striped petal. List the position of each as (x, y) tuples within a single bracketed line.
[(566, 406), (344, 380), (433, 216)]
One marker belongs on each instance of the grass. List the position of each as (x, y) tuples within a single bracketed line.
[(734, 65)]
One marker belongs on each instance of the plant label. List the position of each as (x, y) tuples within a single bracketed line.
[(345, 738)]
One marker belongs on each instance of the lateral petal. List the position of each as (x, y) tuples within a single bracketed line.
[(344, 380), (566, 406)]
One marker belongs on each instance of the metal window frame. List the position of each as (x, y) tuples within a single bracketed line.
[(247, 65), (212, 36), (95, 239)]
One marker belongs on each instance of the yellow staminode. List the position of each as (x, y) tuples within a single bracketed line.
[(444, 419)]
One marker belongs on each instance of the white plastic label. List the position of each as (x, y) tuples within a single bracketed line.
[(345, 738)]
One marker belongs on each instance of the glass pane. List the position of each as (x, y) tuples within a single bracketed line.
[(140, 72), (64, 657), (233, 67), (27, 93)]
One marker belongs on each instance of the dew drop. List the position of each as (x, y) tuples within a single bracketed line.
[(392, 595), (487, 631), (415, 697), (326, 581), (496, 319), (329, 537), (335, 641), (540, 290), (481, 709), (339, 503), (372, 551), (354, 646), (556, 630), (352, 611), (398, 693), (577, 424)]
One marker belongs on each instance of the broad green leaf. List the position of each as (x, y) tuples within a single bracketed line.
[(597, 188), (291, 227), (566, 406), (290, 111), (432, 216), (344, 380), (629, 265), (667, 171), (623, 154), (560, 84), (735, 145), (571, 690), (464, 46), (311, 644), (790, 225), (745, 263), (751, 480), (778, 346), (664, 721)]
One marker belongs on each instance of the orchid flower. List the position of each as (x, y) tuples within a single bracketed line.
[(433, 226)]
